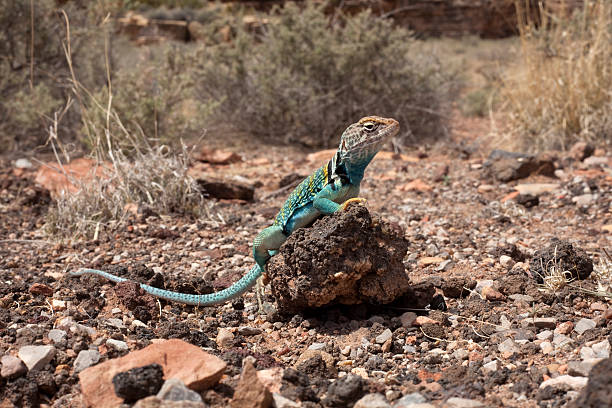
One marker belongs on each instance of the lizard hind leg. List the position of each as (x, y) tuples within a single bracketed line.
[(266, 245)]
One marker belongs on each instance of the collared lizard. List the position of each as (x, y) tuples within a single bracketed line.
[(330, 188)]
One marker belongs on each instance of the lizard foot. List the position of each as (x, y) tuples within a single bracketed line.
[(348, 202)]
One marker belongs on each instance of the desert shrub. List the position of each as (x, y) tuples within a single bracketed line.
[(561, 92), (155, 100), (27, 91), (305, 77)]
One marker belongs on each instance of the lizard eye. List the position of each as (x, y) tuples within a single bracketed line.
[(369, 126)]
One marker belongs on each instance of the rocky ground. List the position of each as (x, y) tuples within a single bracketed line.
[(480, 240)]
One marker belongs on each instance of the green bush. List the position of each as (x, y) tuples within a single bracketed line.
[(305, 78)]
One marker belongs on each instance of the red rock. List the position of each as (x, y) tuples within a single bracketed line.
[(271, 378), (57, 179), (215, 156), (196, 368), (425, 375), (421, 320), (41, 289), (491, 294), (415, 185), (430, 260), (250, 391)]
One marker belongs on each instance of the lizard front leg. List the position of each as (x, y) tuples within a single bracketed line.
[(326, 201)]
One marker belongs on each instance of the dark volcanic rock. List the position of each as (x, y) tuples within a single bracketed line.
[(138, 382), (507, 166), (598, 391), (560, 254), (348, 258)]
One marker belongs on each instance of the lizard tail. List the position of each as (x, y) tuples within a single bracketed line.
[(237, 289)]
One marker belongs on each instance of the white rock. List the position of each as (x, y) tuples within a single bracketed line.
[(281, 402), (36, 357), (489, 367), (575, 383), (583, 325), (372, 401), (117, 345), (506, 261), (384, 336), (86, 358), (463, 403), (57, 336)]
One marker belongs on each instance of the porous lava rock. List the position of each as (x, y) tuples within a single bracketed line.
[(349, 257), (564, 256), (598, 391)]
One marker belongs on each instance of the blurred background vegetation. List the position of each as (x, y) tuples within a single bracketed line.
[(293, 74)]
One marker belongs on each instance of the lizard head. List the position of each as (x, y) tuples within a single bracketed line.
[(362, 140)]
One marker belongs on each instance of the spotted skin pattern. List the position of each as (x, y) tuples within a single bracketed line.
[(330, 188)]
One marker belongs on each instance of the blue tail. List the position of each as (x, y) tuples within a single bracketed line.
[(237, 289)]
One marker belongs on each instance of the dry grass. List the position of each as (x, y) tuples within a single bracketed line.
[(153, 176), (561, 91)]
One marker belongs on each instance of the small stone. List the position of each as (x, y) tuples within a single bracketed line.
[(546, 347), (537, 189), (489, 367), (598, 307), (117, 323), (36, 357), (225, 338), (506, 261), (372, 401), (408, 319), (492, 294), (117, 345), (542, 322), (565, 328), (281, 402), (584, 324), (249, 331), (462, 403), (602, 349), (86, 358), (41, 289), (422, 320), (574, 383), (139, 382), (58, 337), (12, 367), (175, 390), (508, 346), (581, 368), (317, 346), (584, 200), (58, 305), (384, 336), (23, 163), (316, 361), (561, 340), (408, 400), (250, 392), (545, 335)]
